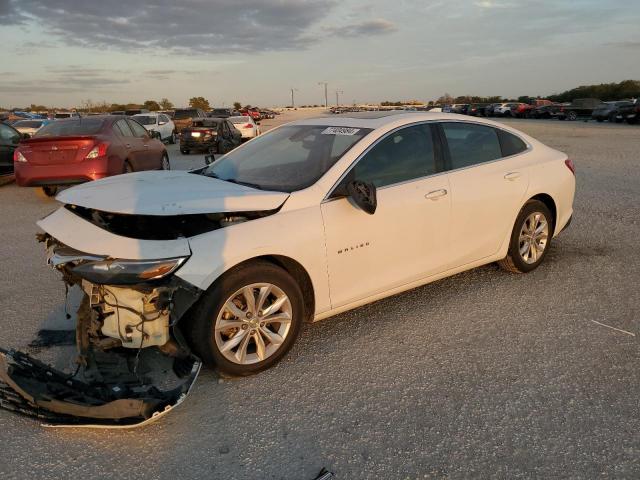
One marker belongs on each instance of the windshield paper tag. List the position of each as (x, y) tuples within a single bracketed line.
[(340, 131)]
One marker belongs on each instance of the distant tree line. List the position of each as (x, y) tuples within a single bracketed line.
[(603, 91)]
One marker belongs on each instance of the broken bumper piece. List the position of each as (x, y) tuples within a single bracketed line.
[(121, 397)]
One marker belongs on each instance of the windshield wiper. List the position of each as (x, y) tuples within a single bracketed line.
[(238, 182)]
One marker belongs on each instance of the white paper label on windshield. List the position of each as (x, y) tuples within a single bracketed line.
[(340, 131)]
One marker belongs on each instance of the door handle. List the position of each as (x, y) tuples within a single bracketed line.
[(436, 194), (512, 176), (146, 146)]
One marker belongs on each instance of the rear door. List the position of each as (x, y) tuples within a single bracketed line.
[(9, 139), (487, 187), (406, 239), (149, 155), (132, 144)]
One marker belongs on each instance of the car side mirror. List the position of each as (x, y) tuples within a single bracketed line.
[(162, 123), (364, 195)]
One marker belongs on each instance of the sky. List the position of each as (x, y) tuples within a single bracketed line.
[(62, 52)]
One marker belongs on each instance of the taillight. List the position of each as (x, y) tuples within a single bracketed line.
[(248, 125), (569, 163), (99, 150), (18, 157)]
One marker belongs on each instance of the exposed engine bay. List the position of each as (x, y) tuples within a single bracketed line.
[(132, 364)]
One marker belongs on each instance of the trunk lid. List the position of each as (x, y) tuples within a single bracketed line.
[(57, 150)]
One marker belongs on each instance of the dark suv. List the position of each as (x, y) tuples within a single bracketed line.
[(610, 111), (212, 135)]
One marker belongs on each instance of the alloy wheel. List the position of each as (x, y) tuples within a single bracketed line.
[(534, 236), (253, 323)]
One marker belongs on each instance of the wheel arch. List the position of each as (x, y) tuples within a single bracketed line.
[(293, 268), (550, 203)]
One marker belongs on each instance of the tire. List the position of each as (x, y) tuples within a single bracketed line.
[(208, 342), (632, 121), (518, 262), (599, 120), (164, 163), (572, 116), (172, 138), (127, 168), (184, 151), (612, 118), (50, 191)]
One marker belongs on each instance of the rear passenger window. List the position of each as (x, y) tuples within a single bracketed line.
[(138, 130), (511, 145), (122, 128), (404, 155), (471, 144)]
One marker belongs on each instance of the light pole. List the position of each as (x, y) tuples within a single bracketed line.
[(326, 101), (338, 92), (293, 104)]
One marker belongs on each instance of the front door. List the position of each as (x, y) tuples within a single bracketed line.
[(406, 239), (9, 139)]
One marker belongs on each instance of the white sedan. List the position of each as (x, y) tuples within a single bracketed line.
[(309, 220), (246, 125), (159, 123)]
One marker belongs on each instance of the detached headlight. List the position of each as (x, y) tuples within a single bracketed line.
[(127, 272)]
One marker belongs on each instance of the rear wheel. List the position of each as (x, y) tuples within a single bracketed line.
[(248, 319), (530, 238), (127, 167), (50, 191), (165, 165), (572, 116)]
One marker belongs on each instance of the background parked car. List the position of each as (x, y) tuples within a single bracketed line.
[(158, 123), (246, 126), (610, 111), (135, 111), (9, 140), (79, 150), (183, 117), (523, 110), (630, 113), (506, 109), (212, 135), (544, 111), (477, 109), (220, 113), (29, 127), (580, 107), (490, 109), (63, 115)]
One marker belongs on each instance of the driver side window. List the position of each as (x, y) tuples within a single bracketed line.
[(406, 154), (8, 135)]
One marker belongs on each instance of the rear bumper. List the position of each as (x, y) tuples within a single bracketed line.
[(29, 175), (190, 144)]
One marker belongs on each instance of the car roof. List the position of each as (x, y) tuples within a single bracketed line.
[(375, 120), (147, 114)]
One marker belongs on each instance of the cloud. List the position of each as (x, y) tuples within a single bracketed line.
[(170, 26), (8, 13), (489, 4), (72, 79), (378, 26)]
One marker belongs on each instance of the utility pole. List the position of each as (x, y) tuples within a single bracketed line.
[(338, 92), (292, 101), (326, 101)]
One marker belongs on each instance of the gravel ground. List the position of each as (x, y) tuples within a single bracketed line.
[(485, 374)]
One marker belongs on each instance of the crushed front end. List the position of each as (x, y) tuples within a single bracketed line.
[(132, 365)]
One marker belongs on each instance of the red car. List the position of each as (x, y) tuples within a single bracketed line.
[(78, 150), (253, 113)]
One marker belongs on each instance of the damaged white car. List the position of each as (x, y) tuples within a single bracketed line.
[(224, 264)]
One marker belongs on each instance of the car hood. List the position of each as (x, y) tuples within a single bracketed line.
[(169, 193)]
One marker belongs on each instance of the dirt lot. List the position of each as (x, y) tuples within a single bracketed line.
[(486, 374)]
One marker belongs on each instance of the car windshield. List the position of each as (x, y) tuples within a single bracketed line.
[(182, 114), (145, 119), (287, 159), (81, 126)]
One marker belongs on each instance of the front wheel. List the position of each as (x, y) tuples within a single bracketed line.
[(248, 319), (530, 238), (573, 116), (172, 138)]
